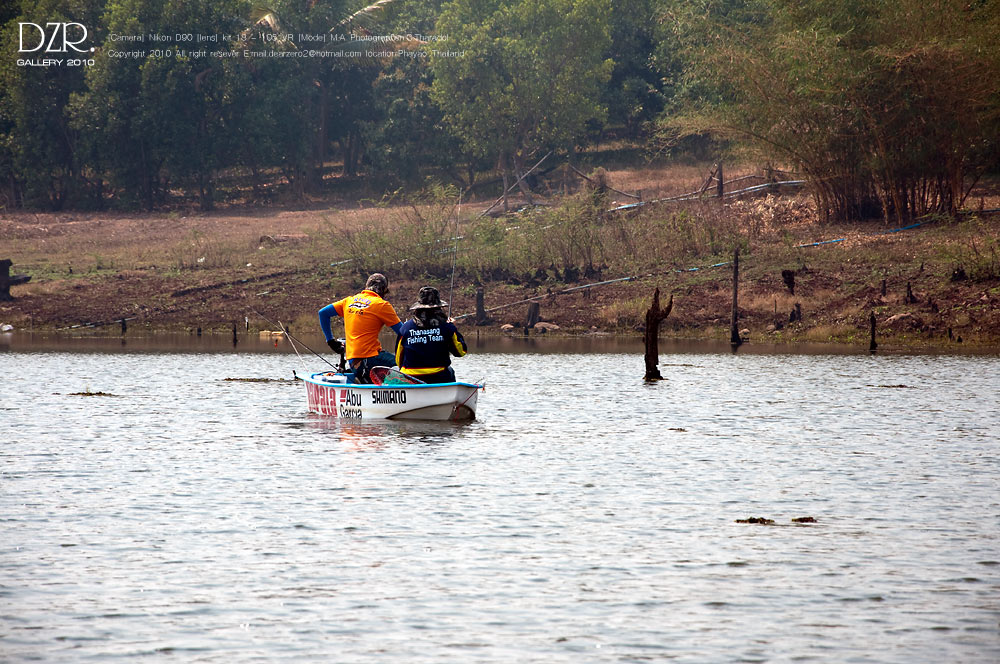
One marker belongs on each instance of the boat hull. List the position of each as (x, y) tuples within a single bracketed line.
[(331, 395)]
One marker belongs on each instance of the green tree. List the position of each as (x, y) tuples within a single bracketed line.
[(517, 76), (39, 157), (154, 120), (888, 107), (405, 130), (633, 94)]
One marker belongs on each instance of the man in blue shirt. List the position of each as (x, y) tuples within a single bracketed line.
[(427, 340), (364, 316)]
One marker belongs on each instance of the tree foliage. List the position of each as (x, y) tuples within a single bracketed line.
[(888, 107), (529, 76)]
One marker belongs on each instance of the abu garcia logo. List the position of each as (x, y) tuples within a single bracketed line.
[(54, 37)]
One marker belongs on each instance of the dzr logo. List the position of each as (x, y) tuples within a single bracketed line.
[(54, 37)]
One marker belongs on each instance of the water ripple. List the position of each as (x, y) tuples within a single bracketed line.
[(579, 519)]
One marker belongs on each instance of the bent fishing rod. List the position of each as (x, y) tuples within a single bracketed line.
[(454, 258), (293, 339)]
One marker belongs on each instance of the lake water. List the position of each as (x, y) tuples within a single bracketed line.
[(584, 517)]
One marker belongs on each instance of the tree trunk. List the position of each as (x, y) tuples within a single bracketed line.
[(651, 336), (519, 173), (506, 176), (734, 330)]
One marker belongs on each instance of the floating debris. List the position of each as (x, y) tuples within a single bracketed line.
[(804, 519), (88, 393), (757, 519), (894, 387)]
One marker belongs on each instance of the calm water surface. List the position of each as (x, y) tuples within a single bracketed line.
[(585, 517)]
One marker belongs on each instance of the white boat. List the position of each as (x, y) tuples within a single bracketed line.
[(329, 393)]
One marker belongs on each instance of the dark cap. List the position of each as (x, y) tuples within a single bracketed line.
[(428, 298), (378, 284)]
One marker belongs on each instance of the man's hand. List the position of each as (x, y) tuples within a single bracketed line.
[(335, 345)]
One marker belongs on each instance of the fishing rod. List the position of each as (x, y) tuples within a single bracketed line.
[(454, 258), (289, 335), (294, 347)]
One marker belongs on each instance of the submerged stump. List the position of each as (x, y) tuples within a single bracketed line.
[(654, 316), (734, 332)]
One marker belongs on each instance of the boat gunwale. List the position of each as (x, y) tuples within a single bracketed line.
[(311, 378)]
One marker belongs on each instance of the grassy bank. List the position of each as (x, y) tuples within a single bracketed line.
[(182, 271)]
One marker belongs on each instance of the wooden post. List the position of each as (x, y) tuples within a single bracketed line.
[(235, 338), (6, 280), (481, 317), (124, 327), (720, 186), (734, 330), (883, 288), (872, 345), (651, 336)]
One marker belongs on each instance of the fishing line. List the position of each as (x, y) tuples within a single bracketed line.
[(454, 258), (294, 347), (291, 338)]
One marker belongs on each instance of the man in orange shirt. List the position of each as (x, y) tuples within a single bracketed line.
[(364, 315)]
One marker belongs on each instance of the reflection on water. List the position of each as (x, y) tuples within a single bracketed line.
[(584, 517), (252, 342), (376, 435)]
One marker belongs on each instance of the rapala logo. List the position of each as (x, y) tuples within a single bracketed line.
[(54, 37)]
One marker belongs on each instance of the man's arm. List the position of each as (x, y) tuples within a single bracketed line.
[(325, 315), (458, 345), (399, 351)]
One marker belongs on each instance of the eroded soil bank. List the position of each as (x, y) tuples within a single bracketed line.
[(934, 284)]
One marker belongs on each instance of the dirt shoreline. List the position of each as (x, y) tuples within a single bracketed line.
[(159, 273)]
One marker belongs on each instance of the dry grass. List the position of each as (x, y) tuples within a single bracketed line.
[(623, 313), (663, 182), (780, 302), (830, 332)]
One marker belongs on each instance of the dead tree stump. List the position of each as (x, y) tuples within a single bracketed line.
[(788, 276), (534, 315), (872, 345), (654, 316), (7, 280), (481, 317)]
